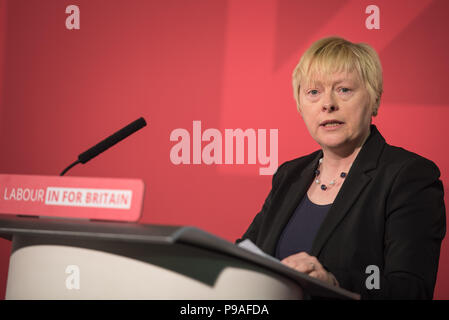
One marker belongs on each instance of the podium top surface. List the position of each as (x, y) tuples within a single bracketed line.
[(86, 229), (163, 234)]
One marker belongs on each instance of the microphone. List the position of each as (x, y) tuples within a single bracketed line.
[(108, 142)]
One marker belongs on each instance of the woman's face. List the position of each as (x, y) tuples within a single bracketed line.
[(336, 110)]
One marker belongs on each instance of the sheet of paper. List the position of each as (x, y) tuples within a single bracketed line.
[(250, 246)]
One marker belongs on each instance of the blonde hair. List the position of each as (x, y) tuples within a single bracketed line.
[(334, 54)]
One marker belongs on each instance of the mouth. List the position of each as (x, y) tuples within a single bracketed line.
[(331, 123)]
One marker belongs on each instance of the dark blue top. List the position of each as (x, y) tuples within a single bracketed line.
[(299, 233)]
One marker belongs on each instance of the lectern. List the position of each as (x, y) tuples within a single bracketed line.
[(55, 258), (77, 238)]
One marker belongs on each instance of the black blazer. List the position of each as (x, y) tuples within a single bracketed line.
[(388, 213)]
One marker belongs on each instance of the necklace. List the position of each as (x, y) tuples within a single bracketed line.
[(317, 180)]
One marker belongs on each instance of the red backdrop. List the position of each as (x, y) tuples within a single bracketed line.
[(226, 63)]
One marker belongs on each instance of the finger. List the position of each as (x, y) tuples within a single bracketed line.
[(305, 267), (317, 265), (303, 255), (296, 257), (314, 274), (302, 262), (296, 264), (320, 276), (288, 262)]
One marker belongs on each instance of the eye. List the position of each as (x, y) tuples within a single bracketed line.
[(313, 92), (346, 90)]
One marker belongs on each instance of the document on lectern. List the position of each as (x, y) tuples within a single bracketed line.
[(250, 246)]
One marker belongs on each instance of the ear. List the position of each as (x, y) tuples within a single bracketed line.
[(375, 107), (298, 104), (298, 107)]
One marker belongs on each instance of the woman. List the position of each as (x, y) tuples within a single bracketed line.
[(357, 205)]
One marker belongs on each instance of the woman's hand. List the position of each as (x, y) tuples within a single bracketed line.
[(303, 262)]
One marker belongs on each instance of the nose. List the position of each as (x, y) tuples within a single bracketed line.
[(329, 104), (329, 107)]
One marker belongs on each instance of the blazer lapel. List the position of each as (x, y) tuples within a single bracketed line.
[(355, 182), (294, 195)]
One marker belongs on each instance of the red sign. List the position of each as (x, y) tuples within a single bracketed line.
[(72, 197)]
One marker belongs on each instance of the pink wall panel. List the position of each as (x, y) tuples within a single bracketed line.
[(226, 63)]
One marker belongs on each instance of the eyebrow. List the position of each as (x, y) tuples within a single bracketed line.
[(336, 82)]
